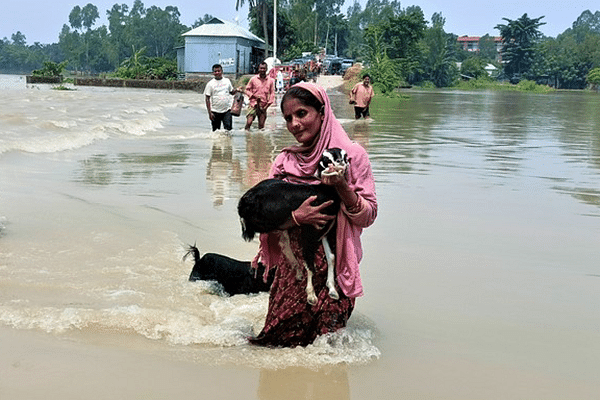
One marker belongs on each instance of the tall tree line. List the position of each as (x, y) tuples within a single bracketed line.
[(398, 44), (93, 48), (156, 30)]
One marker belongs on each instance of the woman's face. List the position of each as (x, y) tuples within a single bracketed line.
[(304, 122)]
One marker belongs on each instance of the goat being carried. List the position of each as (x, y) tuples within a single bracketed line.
[(268, 206)]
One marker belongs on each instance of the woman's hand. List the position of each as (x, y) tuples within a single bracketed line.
[(334, 176), (339, 182), (307, 214)]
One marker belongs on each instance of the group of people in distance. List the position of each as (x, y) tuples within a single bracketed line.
[(260, 91), (291, 321), (218, 94)]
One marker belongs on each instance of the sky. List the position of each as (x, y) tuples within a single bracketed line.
[(41, 21)]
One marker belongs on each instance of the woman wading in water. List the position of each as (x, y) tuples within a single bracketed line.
[(290, 320)]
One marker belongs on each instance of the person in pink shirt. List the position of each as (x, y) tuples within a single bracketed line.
[(361, 96), (261, 93), (291, 321)]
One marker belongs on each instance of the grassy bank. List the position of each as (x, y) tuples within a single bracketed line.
[(487, 84)]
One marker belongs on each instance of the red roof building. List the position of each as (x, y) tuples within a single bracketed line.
[(471, 43)]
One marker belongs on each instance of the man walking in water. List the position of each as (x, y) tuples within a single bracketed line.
[(218, 97), (361, 96), (261, 93)]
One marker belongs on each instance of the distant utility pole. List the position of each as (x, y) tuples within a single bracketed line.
[(274, 30)]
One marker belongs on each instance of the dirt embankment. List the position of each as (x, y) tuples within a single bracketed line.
[(345, 83), (330, 81)]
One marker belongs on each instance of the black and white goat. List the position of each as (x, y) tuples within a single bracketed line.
[(236, 277), (267, 207)]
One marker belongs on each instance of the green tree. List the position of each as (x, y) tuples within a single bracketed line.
[(301, 17), (154, 28), (72, 46), (258, 9), (163, 30), (402, 33), (437, 60), (518, 44), (19, 39), (392, 47), (120, 32), (51, 69), (586, 24), (565, 62), (474, 67), (202, 21), (286, 34), (355, 40), (83, 19), (593, 78), (379, 10), (487, 48)]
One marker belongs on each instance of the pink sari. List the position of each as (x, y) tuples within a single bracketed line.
[(298, 164)]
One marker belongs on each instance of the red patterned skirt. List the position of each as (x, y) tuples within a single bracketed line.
[(291, 321)]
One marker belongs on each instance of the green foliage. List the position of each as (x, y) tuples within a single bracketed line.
[(62, 87), (202, 21), (427, 85), (103, 49), (474, 67), (391, 47), (593, 77), (51, 69), (518, 40), (415, 51), (384, 75), (437, 62), (402, 34), (482, 82), (139, 66), (289, 46), (586, 24), (487, 48), (565, 61), (531, 86), (488, 84)]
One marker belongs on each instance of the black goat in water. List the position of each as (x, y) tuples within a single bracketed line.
[(236, 277)]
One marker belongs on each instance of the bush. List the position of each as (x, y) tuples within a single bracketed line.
[(427, 85), (146, 68), (474, 67), (384, 76), (531, 86), (50, 69), (483, 82), (593, 78)]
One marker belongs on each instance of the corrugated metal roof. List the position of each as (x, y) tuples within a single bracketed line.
[(219, 27)]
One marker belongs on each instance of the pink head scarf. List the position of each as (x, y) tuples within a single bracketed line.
[(301, 161), (298, 164)]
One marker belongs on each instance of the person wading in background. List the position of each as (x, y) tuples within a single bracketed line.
[(218, 94), (261, 93), (361, 96)]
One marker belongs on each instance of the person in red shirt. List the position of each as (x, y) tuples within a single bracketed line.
[(361, 96), (261, 93)]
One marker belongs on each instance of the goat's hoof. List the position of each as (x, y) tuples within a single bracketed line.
[(334, 294), (312, 300)]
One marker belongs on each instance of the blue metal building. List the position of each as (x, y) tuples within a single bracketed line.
[(220, 42)]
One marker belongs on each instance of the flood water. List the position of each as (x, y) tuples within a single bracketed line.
[(481, 273)]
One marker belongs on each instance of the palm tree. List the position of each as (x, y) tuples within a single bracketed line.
[(261, 7), (518, 40)]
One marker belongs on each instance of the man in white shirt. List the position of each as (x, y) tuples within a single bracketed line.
[(218, 93)]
